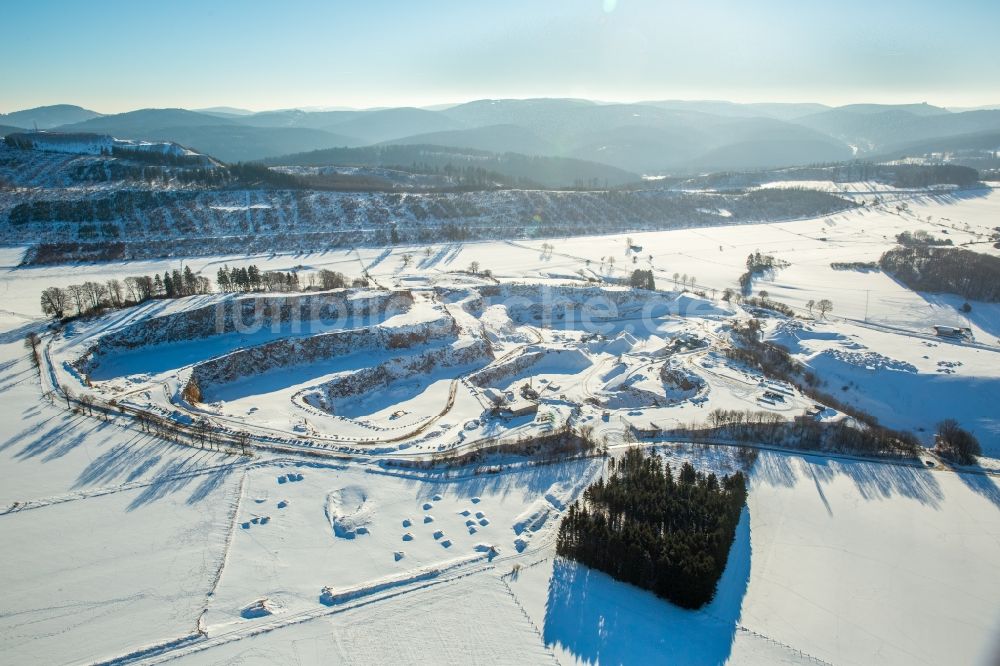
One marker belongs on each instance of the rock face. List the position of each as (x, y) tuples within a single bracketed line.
[(368, 379), (296, 351), (255, 312)]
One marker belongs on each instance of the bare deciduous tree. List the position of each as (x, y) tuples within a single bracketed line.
[(116, 292), (55, 302), (78, 296)]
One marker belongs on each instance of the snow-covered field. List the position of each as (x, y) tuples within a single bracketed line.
[(121, 547)]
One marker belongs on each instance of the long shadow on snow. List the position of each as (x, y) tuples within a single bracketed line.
[(116, 319), (982, 485), (452, 254), (379, 259), (536, 479), (9, 381), (435, 259), (123, 463), (154, 359), (952, 196), (54, 440), (210, 483), (19, 333), (34, 429), (175, 477), (873, 480), (600, 620)]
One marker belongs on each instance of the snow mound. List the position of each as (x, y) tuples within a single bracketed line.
[(620, 344), (633, 397), (499, 327), (259, 608), (349, 511), (533, 518)]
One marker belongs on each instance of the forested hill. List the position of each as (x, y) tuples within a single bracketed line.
[(516, 169), (972, 275)]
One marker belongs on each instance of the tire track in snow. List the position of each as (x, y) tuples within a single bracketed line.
[(233, 520), (193, 643)]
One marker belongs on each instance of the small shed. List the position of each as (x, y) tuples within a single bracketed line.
[(952, 331)]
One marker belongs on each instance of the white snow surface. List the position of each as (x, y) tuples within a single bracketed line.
[(121, 547)]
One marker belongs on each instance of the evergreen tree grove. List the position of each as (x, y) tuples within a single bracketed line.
[(665, 532)]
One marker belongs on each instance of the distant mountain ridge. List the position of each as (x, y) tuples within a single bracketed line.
[(221, 137), (655, 137), (47, 117)]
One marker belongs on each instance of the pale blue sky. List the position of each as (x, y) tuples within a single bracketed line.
[(119, 55)]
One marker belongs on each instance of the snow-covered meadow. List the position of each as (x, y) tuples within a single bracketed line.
[(122, 547)]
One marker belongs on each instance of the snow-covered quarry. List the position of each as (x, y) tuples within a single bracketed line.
[(347, 476)]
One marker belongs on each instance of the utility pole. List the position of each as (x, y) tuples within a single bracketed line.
[(867, 294)]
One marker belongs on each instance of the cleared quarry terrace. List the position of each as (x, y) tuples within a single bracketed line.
[(418, 369)]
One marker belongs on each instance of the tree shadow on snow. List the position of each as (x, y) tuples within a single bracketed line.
[(175, 477), (18, 334), (60, 437), (211, 482), (982, 485), (951, 196), (137, 460), (534, 480), (600, 620), (873, 480), (29, 433), (436, 258), (122, 463), (379, 259)]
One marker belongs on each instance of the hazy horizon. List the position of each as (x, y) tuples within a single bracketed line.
[(314, 54), (442, 105)]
